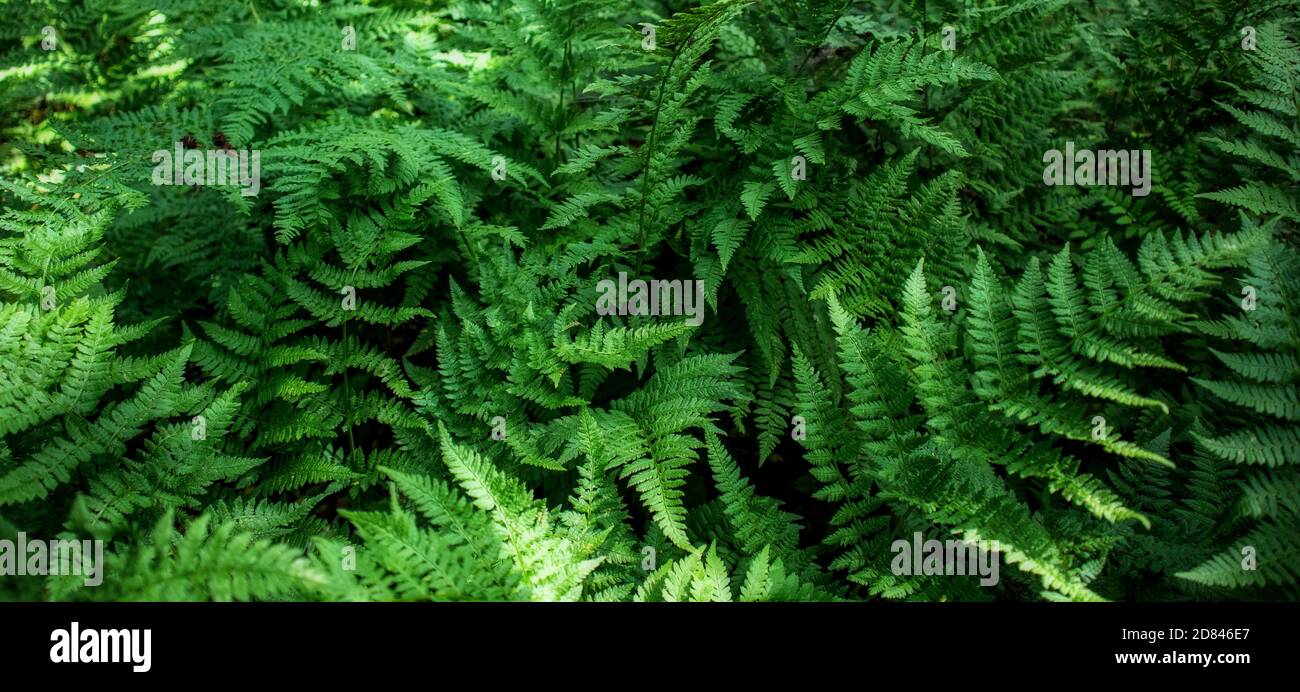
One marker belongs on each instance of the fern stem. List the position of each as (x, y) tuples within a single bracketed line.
[(1191, 84), (825, 35), (650, 144), (347, 392)]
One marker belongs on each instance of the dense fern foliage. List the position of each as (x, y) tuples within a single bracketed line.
[(338, 301)]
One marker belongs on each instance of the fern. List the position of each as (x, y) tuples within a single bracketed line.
[(393, 373)]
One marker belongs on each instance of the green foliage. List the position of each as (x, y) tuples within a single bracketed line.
[(387, 366)]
